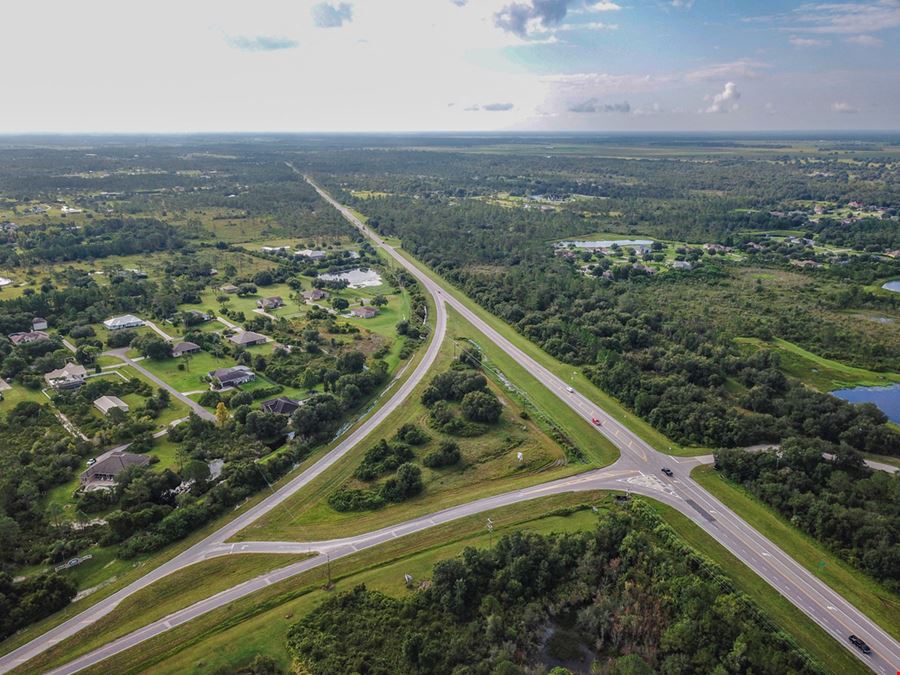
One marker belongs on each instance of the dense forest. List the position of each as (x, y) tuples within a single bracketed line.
[(852, 509), (629, 597)]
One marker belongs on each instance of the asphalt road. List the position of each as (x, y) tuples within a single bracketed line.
[(638, 470), (193, 405)]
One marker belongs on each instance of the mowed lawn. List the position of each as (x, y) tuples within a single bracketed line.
[(187, 374)]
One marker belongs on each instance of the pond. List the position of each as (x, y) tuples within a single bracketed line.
[(606, 244), (356, 278), (886, 398), (892, 286)]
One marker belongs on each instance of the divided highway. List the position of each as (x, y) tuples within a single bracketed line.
[(638, 470)]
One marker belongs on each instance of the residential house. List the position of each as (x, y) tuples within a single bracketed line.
[(182, 348), (231, 377), (27, 337), (229, 288), (893, 254), (124, 321), (70, 376), (39, 323), (196, 316), (281, 405), (312, 255), (107, 403), (248, 338), (270, 303), (364, 312), (681, 265), (718, 248), (314, 295), (273, 249), (103, 474)]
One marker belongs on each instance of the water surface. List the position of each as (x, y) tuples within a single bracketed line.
[(886, 398)]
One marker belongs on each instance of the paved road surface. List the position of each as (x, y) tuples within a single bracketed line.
[(638, 470)]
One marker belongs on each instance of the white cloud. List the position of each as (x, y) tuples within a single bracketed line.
[(261, 43), (603, 6), (591, 25), (807, 42), (592, 105), (844, 107), (682, 4), (865, 40), (742, 68), (725, 100), (845, 17)]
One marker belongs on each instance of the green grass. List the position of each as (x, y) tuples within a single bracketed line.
[(232, 636), (169, 594), (860, 590), (489, 466), (195, 369), (18, 394), (566, 372), (816, 371)]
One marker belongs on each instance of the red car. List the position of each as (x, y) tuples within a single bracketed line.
[(596, 422)]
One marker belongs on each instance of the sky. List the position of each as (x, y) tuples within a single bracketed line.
[(448, 65)]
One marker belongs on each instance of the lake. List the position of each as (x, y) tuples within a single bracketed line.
[(886, 398), (892, 286), (606, 244), (356, 278)]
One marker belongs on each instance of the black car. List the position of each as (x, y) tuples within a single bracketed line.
[(860, 645), (666, 470)]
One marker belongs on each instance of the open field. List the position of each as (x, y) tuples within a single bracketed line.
[(866, 594), (233, 636), (817, 371)]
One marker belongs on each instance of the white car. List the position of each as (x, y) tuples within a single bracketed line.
[(570, 390), (91, 461)]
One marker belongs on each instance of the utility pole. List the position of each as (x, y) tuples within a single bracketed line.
[(490, 528)]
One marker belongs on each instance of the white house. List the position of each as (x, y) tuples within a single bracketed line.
[(124, 321)]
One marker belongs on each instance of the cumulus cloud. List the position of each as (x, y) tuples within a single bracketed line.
[(807, 42), (261, 43), (497, 107), (592, 105), (524, 18), (844, 107), (725, 100), (865, 40), (603, 6), (332, 16), (682, 4)]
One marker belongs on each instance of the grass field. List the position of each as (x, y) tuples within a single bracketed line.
[(816, 371), (489, 466), (231, 637), (860, 590)]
